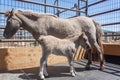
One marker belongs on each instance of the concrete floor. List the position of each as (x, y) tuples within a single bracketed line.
[(61, 72)]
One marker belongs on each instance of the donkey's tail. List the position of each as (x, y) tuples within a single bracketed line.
[(99, 34)]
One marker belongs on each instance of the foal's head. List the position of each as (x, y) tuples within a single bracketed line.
[(13, 23)]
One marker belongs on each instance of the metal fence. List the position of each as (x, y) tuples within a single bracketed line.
[(104, 11), (107, 12)]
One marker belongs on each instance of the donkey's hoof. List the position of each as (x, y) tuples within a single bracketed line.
[(47, 76), (42, 79), (87, 68), (101, 69)]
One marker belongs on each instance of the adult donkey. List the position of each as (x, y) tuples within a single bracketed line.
[(43, 24)]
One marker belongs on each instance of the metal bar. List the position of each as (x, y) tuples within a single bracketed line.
[(31, 2), (45, 6), (72, 16), (58, 14), (105, 12), (64, 10), (93, 4), (55, 4), (110, 24), (83, 0), (78, 7), (17, 40), (86, 10), (2, 28), (1, 12), (111, 35)]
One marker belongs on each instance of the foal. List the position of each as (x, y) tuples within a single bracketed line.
[(63, 47)]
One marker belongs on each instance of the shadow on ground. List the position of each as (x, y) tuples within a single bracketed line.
[(54, 71)]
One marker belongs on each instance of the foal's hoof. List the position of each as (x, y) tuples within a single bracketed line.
[(74, 74)]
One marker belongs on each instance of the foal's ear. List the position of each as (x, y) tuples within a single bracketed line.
[(81, 36)]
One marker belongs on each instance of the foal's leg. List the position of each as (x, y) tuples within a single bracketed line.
[(71, 63), (45, 70), (42, 65), (88, 49)]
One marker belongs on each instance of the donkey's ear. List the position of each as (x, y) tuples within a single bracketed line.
[(12, 11), (6, 13)]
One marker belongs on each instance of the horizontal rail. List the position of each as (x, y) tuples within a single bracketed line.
[(110, 24), (108, 35), (104, 12), (64, 10), (31, 2), (2, 27), (17, 40), (93, 4), (1, 12), (83, 0)]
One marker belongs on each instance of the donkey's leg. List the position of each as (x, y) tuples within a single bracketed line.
[(87, 46), (97, 47), (71, 63), (42, 64)]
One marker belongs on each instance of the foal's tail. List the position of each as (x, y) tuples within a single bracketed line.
[(99, 34)]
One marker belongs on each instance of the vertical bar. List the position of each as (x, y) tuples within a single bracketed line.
[(86, 10), (78, 7), (54, 8), (45, 6), (58, 10)]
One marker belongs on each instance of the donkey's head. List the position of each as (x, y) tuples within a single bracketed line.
[(13, 23)]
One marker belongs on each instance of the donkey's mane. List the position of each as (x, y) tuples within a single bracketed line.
[(32, 13)]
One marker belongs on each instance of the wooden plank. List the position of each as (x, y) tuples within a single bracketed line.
[(28, 57), (112, 49), (24, 57)]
